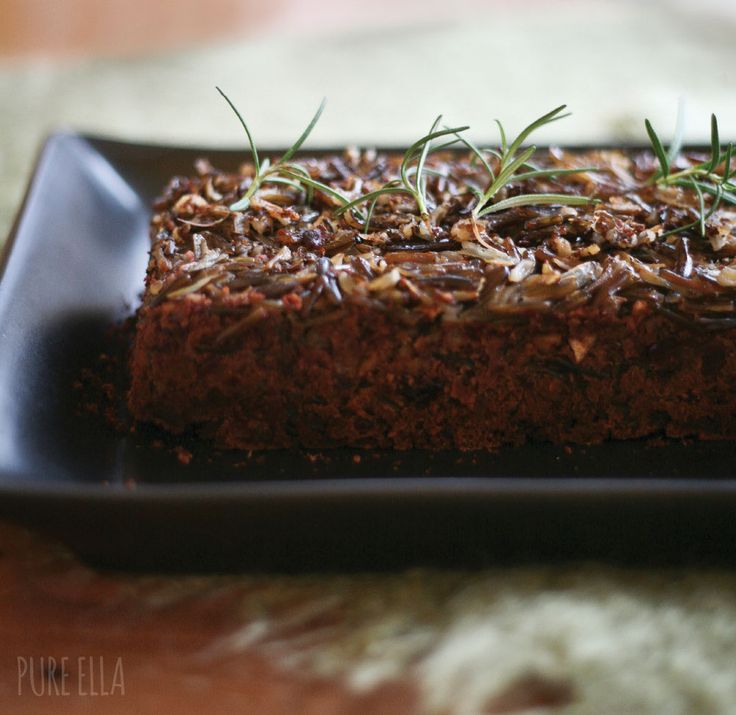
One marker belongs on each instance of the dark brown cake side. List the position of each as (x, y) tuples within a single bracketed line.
[(373, 382), (282, 327)]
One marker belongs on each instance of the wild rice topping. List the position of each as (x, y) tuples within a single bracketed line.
[(291, 252)]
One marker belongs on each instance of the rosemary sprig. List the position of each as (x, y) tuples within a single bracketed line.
[(413, 172), (509, 163), (702, 178), (283, 170)]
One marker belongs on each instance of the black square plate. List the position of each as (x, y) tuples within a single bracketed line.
[(74, 265)]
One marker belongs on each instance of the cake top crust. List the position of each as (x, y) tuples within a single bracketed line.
[(633, 244)]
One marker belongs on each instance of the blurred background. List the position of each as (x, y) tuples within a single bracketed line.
[(146, 70)]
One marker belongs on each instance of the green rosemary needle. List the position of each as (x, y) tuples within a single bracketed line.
[(702, 178)]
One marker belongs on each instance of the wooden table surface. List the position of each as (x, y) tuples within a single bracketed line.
[(179, 644), (163, 630)]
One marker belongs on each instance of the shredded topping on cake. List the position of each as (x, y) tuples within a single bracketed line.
[(293, 250)]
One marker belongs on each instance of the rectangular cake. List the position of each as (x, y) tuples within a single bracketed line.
[(295, 322)]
